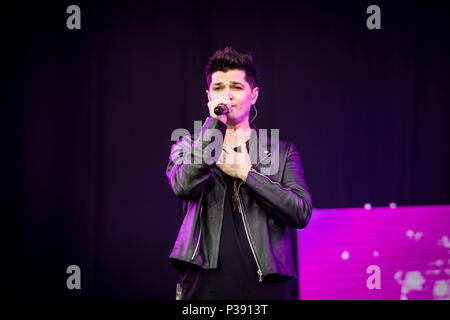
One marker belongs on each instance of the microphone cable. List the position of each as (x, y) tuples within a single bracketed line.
[(256, 113)]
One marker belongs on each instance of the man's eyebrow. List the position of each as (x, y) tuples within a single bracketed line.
[(233, 82)]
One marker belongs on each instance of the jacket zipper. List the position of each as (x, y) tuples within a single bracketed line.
[(268, 155), (199, 234), (271, 181), (259, 272)]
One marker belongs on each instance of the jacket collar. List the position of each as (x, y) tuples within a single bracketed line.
[(259, 146), (256, 136)]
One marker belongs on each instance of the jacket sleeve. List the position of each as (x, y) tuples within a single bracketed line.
[(190, 164), (289, 201)]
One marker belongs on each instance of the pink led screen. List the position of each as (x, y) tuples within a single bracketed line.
[(376, 253)]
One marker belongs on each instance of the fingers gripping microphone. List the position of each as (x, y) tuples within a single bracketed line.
[(221, 109)]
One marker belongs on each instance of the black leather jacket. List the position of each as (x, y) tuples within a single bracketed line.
[(270, 202)]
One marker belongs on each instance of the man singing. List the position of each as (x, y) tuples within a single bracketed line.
[(238, 205)]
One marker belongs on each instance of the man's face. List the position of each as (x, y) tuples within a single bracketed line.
[(232, 84)]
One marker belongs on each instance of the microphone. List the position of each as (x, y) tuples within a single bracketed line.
[(221, 110)]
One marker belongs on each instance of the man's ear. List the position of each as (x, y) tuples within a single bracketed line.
[(209, 97), (255, 94)]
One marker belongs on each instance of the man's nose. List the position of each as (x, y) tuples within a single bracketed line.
[(230, 93)]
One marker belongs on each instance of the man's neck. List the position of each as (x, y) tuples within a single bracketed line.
[(244, 125)]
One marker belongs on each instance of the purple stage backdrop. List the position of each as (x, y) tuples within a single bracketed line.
[(342, 252), (88, 116)]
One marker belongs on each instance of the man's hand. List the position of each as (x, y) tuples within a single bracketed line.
[(224, 101), (235, 164)]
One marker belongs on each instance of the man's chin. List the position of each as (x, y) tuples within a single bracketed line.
[(233, 120)]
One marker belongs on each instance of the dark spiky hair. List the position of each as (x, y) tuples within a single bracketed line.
[(230, 59)]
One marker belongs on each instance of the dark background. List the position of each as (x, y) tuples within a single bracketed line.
[(90, 112)]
